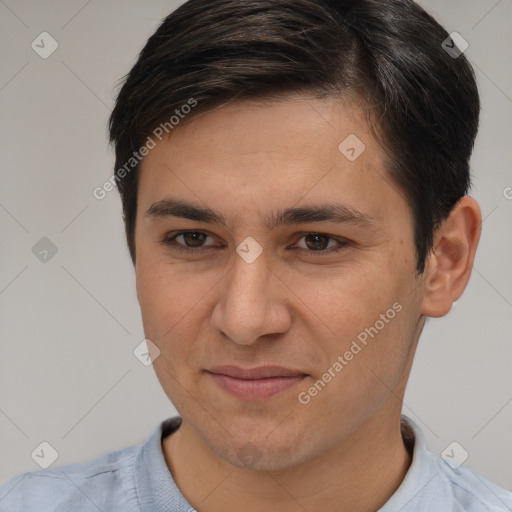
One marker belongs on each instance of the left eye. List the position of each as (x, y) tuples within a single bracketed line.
[(315, 243), (313, 240)]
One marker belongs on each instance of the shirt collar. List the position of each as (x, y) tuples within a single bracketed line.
[(422, 472), (159, 493), (155, 486)]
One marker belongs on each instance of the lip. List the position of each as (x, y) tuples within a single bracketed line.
[(255, 383)]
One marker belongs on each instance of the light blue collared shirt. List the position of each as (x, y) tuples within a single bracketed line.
[(136, 479)]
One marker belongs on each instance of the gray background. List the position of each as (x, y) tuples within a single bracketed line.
[(68, 327)]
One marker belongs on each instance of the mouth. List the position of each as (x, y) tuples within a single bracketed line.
[(255, 383)]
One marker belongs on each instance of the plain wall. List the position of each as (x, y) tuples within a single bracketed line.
[(68, 326)]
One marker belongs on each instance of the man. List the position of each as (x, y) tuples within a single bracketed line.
[(294, 180)]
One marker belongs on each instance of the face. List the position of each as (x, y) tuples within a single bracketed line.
[(332, 301)]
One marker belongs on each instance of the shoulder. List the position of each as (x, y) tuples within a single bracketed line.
[(471, 491), (433, 484), (90, 485)]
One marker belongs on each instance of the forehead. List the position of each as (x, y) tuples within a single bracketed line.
[(297, 124), (294, 150)]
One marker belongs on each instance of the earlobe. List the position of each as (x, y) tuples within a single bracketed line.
[(448, 266)]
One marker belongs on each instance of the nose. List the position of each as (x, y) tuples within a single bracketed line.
[(253, 302)]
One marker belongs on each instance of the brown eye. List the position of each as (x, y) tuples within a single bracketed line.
[(192, 241), (193, 238), (317, 242)]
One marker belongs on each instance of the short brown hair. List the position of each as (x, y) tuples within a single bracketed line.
[(425, 100)]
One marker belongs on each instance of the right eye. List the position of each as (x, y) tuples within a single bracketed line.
[(195, 238)]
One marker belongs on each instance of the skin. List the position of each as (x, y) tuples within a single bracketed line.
[(343, 450)]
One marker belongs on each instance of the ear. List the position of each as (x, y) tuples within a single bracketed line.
[(448, 266)]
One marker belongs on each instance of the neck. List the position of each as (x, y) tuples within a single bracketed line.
[(360, 474)]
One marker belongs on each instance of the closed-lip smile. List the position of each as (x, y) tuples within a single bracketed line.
[(255, 383)]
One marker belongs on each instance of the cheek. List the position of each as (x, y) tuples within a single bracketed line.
[(348, 301), (361, 376), (173, 304), (370, 328), (166, 292)]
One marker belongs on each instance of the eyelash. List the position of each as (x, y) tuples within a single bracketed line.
[(170, 242)]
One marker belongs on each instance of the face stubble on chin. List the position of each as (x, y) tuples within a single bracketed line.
[(288, 307)]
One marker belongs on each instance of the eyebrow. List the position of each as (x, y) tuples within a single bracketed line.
[(331, 212)]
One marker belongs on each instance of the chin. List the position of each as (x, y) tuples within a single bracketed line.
[(262, 457), (269, 449)]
